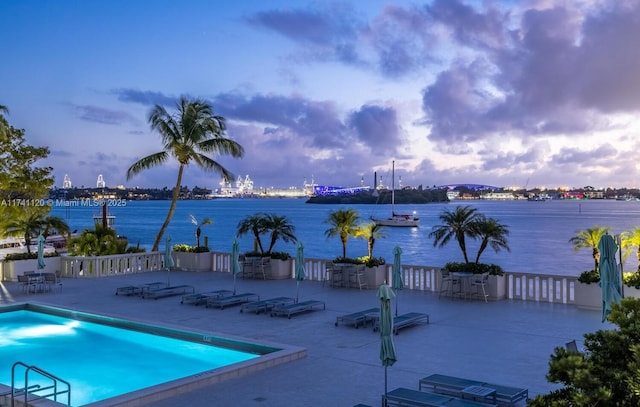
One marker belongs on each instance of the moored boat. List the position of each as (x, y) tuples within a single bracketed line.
[(396, 219)]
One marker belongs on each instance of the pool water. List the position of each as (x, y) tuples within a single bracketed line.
[(101, 361)]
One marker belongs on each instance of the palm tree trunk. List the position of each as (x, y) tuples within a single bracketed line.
[(172, 208)]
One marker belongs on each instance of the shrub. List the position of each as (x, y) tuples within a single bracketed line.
[(475, 268), (589, 276), (190, 249), (366, 260), (280, 255), (27, 256), (632, 279)]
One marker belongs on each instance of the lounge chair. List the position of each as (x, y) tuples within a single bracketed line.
[(168, 291), (265, 305), (357, 318), (407, 397), (404, 321), (505, 395), (201, 298), (140, 289), (232, 300), (297, 308)]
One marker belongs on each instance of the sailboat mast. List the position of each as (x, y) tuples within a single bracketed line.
[(393, 187)]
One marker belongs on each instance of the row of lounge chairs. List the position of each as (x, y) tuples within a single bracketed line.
[(373, 315), (155, 290), (456, 386)]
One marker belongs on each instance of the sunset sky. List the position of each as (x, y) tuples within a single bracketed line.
[(505, 93)]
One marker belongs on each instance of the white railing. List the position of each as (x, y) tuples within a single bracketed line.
[(514, 285), (101, 266)]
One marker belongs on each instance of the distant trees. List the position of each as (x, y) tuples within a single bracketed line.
[(188, 135)]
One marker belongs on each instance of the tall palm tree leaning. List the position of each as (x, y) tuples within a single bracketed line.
[(344, 224), (188, 135), (456, 224), (589, 239), (491, 233)]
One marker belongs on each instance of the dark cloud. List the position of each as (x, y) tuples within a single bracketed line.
[(148, 98), (377, 127), (331, 30), (105, 116), (318, 122)]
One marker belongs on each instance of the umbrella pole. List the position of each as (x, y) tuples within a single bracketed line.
[(384, 401), (234, 284), (297, 290), (168, 271), (396, 305)]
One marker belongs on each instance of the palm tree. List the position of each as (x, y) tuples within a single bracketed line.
[(370, 231), (188, 135), (4, 125), (97, 242), (344, 224), (255, 224), (280, 228), (631, 239), (491, 233), (456, 224), (589, 238), (199, 225), (34, 224)]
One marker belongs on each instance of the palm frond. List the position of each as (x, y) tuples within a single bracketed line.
[(147, 162)]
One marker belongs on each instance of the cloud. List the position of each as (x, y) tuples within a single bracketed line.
[(331, 30), (315, 121), (148, 98), (101, 115), (377, 127)]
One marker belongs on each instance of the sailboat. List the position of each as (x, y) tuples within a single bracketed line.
[(396, 219)]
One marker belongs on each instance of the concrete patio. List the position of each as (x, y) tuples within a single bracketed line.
[(505, 342)]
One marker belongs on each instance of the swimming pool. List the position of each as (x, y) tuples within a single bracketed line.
[(110, 361)]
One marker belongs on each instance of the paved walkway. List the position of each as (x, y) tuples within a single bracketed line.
[(506, 342)]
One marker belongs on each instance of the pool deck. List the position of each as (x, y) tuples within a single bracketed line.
[(504, 342)]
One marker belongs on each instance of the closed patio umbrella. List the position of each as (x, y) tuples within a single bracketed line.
[(168, 260), (300, 274), (235, 265), (387, 348), (41, 263), (610, 278), (396, 277)]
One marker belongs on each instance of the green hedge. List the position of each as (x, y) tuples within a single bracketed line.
[(26, 256), (475, 268)]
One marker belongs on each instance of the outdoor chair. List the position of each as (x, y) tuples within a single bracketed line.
[(447, 283), (26, 285), (51, 282), (327, 275), (356, 277), (264, 267), (480, 282)]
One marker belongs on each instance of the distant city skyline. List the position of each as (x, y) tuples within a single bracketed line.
[(506, 93)]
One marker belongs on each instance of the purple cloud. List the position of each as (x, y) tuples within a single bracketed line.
[(105, 116), (377, 127)]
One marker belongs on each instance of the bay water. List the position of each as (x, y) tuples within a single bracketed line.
[(539, 231)]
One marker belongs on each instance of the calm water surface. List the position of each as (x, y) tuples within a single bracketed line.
[(539, 236)]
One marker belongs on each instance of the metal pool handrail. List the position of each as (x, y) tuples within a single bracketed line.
[(36, 390)]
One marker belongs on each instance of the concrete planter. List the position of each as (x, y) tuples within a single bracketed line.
[(193, 261), (13, 268), (281, 269), (497, 287), (588, 296), (374, 276)]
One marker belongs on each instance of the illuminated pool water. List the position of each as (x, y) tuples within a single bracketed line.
[(102, 360)]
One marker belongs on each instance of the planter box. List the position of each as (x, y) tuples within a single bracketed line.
[(193, 261), (375, 276), (588, 296), (13, 268), (281, 269), (497, 287)]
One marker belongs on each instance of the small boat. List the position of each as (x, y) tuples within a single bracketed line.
[(14, 245), (396, 219)]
